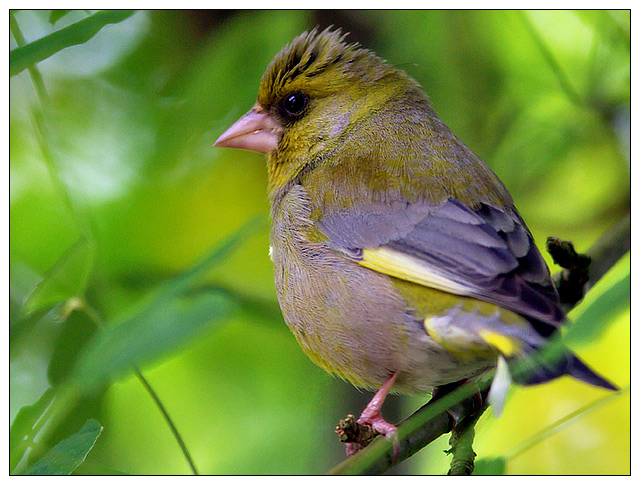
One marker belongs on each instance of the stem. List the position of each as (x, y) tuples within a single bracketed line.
[(610, 248), (36, 77), (461, 441), (168, 420), (421, 428), (566, 86), (95, 316), (562, 423)]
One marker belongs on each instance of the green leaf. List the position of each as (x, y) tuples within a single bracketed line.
[(490, 466), (67, 277), (154, 332), (162, 324), (67, 455), (26, 56), (56, 15), (22, 280), (76, 333), (613, 28), (23, 424), (595, 318)]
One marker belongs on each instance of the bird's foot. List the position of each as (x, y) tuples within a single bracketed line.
[(356, 434)]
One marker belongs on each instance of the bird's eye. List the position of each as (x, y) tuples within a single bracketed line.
[(294, 103)]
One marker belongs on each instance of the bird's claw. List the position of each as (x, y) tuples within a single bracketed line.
[(356, 434)]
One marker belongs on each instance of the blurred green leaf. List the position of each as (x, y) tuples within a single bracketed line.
[(548, 127), (613, 27), (68, 277), (221, 70), (26, 56), (56, 15), (77, 331), (157, 330), (20, 325), (67, 455), (490, 466), (170, 317), (22, 280), (23, 424), (594, 319)]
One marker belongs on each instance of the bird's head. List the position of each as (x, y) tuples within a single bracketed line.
[(312, 96)]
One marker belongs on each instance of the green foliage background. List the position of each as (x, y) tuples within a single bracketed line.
[(133, 242)]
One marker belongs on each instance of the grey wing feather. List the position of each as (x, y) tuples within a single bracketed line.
[(488, 251)]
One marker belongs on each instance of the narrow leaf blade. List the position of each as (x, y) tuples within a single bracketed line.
[(593, 321), (23, 425), (26, 56), (70, 453), (153, 333), (172, 316), (68, 277)]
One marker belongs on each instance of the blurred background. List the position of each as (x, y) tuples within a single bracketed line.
[(139, 271)]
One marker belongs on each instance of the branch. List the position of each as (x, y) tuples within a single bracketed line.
[(431, 421), (609, 249), (435, 418), (582, 271), (571, 282), (461, 441)]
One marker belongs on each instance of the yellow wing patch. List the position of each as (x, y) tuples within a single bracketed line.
[(441, 325), (456, 341), (408, 268), (503, 344)]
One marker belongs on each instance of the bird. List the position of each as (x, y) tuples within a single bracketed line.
[(401, 263)]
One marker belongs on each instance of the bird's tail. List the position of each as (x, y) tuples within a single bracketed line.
[(566, 364), (539, 371), (579, 370)]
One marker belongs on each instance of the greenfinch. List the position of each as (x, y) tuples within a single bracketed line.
[(401, 263)]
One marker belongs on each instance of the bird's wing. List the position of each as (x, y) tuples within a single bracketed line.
[(487, 253)]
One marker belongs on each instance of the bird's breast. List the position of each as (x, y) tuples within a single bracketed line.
[(350, 320)]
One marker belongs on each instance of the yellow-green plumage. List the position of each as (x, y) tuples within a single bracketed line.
[(372, 126), (396, 250), (364, 150)]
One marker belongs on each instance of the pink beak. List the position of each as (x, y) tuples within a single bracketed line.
[(256, 131)]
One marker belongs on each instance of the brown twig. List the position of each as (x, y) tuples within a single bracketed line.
[(350, 431)]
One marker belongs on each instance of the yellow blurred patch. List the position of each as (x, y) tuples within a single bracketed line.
[(505, 345)]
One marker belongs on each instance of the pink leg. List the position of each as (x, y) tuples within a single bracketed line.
[(371, 415)]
